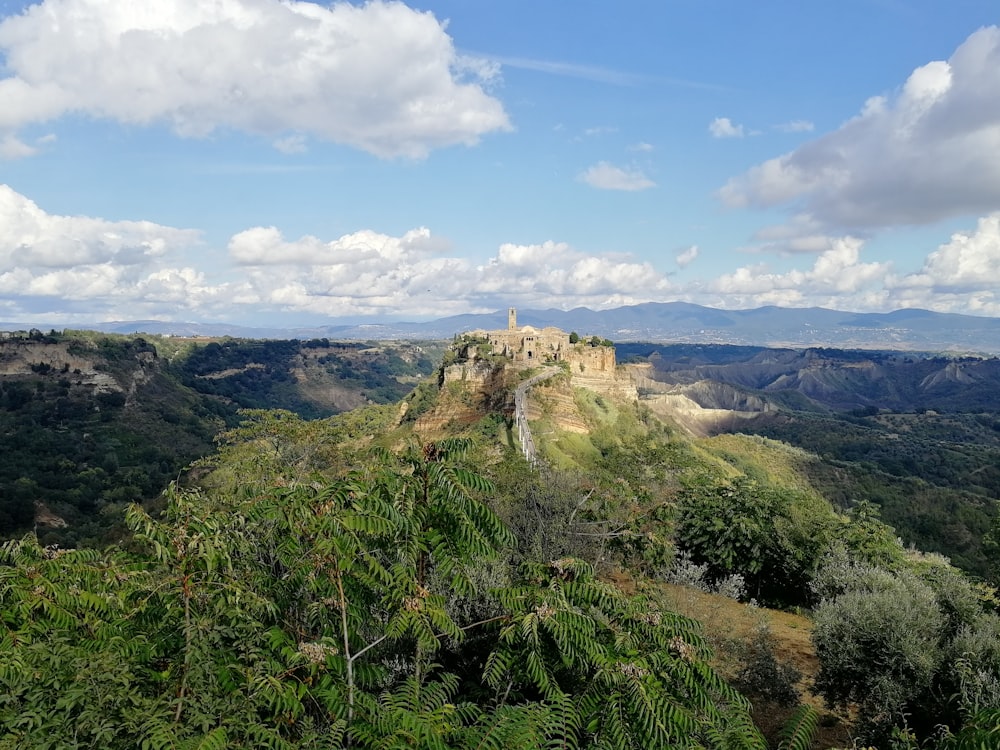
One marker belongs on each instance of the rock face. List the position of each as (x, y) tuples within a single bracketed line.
[(480, 385), (25, 357), (554, 401), (474, 373), (701, 407), (469, 390)]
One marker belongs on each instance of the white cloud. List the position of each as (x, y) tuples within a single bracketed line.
[(801, 234), (605, 176), (968, 263), (375, 274), (292, 144), (573, 70), (836, 274), (930, 151), (379, 76), (687, 257), (14, 148), (127, 270), (796, 126), (33, 239), (119, 268), (262, 246), (723, 127), (642, 147)]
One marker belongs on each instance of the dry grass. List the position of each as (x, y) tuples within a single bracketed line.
[(731, 626)]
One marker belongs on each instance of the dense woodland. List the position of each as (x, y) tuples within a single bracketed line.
[(88, 451), (916, 434), (349, 582)]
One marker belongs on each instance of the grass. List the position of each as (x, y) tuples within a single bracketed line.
[(730, 627)]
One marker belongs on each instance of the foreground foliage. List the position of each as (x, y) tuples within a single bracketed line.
[(343, 614)]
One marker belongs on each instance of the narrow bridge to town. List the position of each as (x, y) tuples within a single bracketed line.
[(520, 416)]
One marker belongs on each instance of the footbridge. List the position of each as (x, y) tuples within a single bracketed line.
[(520, 416)]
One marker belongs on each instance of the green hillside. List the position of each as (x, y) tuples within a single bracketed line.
[(917, 434), (398, 575), (93, 422)]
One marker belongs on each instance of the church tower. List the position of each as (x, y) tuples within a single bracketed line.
[(512, 319)]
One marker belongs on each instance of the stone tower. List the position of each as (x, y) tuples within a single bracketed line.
[(512, 319)]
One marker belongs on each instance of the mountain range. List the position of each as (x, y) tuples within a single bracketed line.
[(668, 322)]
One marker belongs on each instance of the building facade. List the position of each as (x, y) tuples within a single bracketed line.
[(529, 344)]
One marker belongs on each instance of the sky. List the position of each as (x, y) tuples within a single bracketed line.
[(294, 163)]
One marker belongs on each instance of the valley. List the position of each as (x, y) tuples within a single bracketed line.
[(804, 539)]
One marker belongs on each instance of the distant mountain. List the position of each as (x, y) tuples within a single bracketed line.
[(669, 322)]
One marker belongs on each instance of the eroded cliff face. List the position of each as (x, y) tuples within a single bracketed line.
[(595, 369), (555, 402), (25, 358), (473, 388), (702, 407), (469, 391)]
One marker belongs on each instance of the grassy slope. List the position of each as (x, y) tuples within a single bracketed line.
[(729, 626)]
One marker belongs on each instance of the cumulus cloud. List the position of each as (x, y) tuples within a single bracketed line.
[(687, 257), (968, 262), (118, 267), (376, 274), (605, 176), (34, 239), (930, 151), (379, 76), (723, 127), (960, 276), (134, 269), (837, 274), (128, 270)]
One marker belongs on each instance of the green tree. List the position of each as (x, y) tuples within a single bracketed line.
[(619, 671), (318, 615), (912, 646), (773, 538)]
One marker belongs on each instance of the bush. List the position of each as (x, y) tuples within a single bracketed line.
[(878, 642), (913, 642), (763, 676), (772, 538)]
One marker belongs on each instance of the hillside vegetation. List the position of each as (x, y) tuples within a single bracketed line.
[(916, 434), (92, 422), (398, 575)]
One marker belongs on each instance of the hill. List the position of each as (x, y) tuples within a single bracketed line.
[(401, 574), (917, 434), (93, 422)]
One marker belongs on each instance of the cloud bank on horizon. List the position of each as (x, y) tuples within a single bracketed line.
[(466, 183)]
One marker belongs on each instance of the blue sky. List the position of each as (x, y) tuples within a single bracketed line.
[(253, 162)]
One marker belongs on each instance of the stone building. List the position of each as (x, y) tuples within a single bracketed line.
[(529, 344)]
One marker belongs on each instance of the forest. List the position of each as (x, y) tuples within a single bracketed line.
[(131, 413), (364, 580)]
